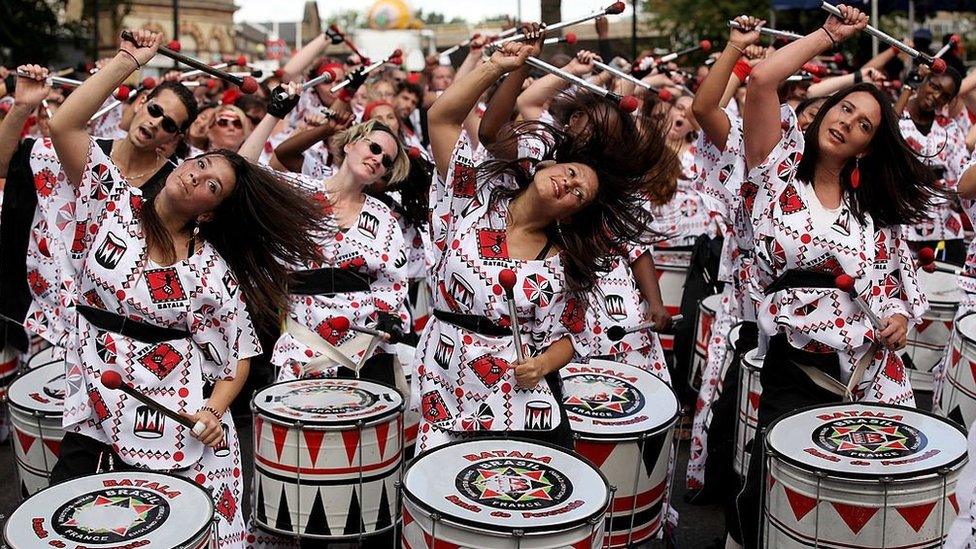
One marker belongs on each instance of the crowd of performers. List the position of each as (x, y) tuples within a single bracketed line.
[(193, 229)]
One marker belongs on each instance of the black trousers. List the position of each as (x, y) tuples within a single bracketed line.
[(81, 456), (785, 388)]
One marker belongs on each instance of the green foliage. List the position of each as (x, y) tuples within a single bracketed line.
[(30, 31), (690, 20)]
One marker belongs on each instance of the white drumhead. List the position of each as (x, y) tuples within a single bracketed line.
[(40, 390), (867, 440), (130, 509), (503, 484), (330, 401), (711, 304), (615, 400), (42, 357), (940, 287), (733, 338), (966, 326), (752, 361)]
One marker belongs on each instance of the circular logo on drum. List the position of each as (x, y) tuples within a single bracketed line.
[(110, 516), (869, 438), (329, 400), (515, 484), (601, 396)]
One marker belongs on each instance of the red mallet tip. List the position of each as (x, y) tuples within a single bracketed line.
[(955, 39), (174, 45), (926, 256), (339, 323), (629, 103), (212, 83), (706, 45), (615, 8), (929, 267), (844, 282), (122, 93), (507, 279), (332, 74), (249, 85), (241, 61), (665, 95), (398, 60), (939, 66), (278, 73), (111, 379), (570, 38), (838, 58), (148, 83), (413, 152)]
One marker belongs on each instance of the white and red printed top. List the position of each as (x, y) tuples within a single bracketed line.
[(199, 295)]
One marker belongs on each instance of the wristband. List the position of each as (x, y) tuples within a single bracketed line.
[(858, 77), (832, 41), (138, 66), (741, 70)]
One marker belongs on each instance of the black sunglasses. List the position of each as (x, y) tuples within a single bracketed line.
[(376, 149), (224, 122), (168, 125)]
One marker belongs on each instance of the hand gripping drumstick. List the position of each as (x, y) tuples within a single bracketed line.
[(616, 333), (938, 66), (327, 77), (334, 34), (396, 58), (342, 324), (628, 103), (845, 283), (247, 84), (612, 9), (786, 35), (507, 280), (662, 94), (113, 380)]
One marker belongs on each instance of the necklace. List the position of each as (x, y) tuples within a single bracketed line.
[(153, 170)]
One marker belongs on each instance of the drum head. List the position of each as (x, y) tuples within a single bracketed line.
[(607, 399), (504, 484), (328, 402), (41, 390), (939, 287), (751, 361), (966, 326), (867, 441), (130, 509)]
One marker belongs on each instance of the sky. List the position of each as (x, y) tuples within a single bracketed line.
[(472, 10)]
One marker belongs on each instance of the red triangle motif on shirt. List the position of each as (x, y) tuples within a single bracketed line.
[(916, 515), (597, 453), (800, 504), (313, 440), (26, 441), (855, 516), (895, 368), (382, 431), (280, 433), (54, 446), (350, 439)]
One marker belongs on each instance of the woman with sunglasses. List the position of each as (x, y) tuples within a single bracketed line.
[(161, 286), (228, 130)]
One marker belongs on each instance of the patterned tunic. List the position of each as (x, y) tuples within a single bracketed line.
[(823, 319), (199, 295), (686, 216), (465, 380)]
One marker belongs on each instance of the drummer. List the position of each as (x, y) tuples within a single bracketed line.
[(162, 285), (818, 214)]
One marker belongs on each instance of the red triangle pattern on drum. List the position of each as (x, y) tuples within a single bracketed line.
[(258, 423), (954, 502), (313, 441), (754, 399), (854, 516), (956, 355), (770, 481), (54, 446), (382, 431), (583, 544), (26, 441), (800, 504), (916, 515), (972, 368), (350, 439), (597, 453), (280, 433)]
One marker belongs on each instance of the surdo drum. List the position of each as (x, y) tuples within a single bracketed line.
[(503, 493), (672, 269), (703, 334), (115, 510), (747, 416), (955, 392), (861, 476), (623, 419), (9, 364), (36, 403), (928, 340), (327, 457)]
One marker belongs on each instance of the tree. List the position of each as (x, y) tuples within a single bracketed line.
[(32, 33), (349, 19), (551, 11), (689, 20)]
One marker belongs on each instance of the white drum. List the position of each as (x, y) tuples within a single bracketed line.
[(36, 403), (405, 354), (327, 457), (115, 510), (849, 476), (672, 269), (47, 355), (503, 493), (623, 418), (707, 310), (955, 395), (927, 341), (747, 416)]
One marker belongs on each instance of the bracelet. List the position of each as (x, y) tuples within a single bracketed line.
[(138, 66), (858, 77), (832, 41), (736, 48), (212, 410)]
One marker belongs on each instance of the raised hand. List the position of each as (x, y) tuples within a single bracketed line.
[(841, 29), (748, 37), (145, 47), (582, 63), (510, 56), (32, 86)]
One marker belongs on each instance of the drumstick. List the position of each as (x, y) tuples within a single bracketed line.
[(112, 380), (247, 84), (704, 45), (612, 9), (459, 45), (396, 58), (954, 41), (334, 32), (938, 66), (628, 103), (342, 324), (662, 94), (122, 94), (507, 280), (786, 35), (570, 39), (926, 260), (845, 283), (616, 333)]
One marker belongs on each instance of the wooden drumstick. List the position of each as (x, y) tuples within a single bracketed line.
[(845, 283), (616, 333), (112, 380), (506, 278)]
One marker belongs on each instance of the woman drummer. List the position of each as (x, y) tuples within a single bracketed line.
[(161, 292), (828, 203), (554, 229)]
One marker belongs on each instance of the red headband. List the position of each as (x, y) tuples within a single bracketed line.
[(372, 105)]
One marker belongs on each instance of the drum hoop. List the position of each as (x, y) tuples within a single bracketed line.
[(863, 476), (314, 537), (462, 522), (210, 504), (629, 436), (319, 425), (962, 334)]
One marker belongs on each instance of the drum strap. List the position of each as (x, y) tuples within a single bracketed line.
[(328, 281), (135, 329), (826, 381), (799, 278), (329, 352)]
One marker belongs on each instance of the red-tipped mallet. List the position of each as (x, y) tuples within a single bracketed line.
[(845, 283), (569, 39), (785, 35), (926, 260), (616, 333), (704, 45), (628, 103), (112, 380), (613, 9), (247, 84), (122, 94), (335, 31), (342, 324), (662, 94), (507, 279), (938, 66), (396, 58)]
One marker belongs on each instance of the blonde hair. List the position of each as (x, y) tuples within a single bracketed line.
[(245, 121), (359, 132)]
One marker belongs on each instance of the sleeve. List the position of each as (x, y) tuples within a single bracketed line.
[(765, 182), (897, 289), (716, 183), (223, 333), (957, 155), (565, 317)]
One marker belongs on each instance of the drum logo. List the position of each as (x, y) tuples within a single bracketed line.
[(515, 484), (328, 401), (869, 438), (112, 516), (601, 396)]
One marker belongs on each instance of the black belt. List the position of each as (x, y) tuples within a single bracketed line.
[(798, 278), (329, 281), (473, 323), (134, 329)]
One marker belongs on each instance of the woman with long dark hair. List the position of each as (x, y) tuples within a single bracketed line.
[(162, 287), (824, 203), (555, 221)]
